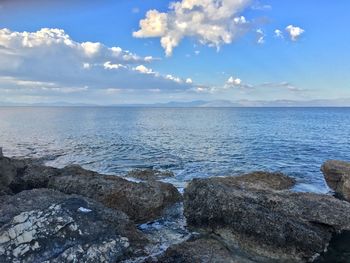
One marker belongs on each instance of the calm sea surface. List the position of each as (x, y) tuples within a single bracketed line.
[(192, 142)]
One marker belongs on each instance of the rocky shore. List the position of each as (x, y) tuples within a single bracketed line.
[(75, 215)]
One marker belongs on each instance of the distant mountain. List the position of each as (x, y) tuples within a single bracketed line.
[(203, 104)]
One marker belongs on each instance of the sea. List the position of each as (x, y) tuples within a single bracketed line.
[(191, 142)]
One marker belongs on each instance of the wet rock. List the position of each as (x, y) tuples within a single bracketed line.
[(48, 226), (337, 175), (270, 225), (149, 174), (202, 250)]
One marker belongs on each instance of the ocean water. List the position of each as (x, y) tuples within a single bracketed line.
[(191, 142)]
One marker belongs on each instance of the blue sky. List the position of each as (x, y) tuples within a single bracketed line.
[(233, 55)]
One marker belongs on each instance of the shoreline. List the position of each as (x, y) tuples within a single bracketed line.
[(221, 212)]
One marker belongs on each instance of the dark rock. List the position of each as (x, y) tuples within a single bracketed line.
[(338, 250), (149, 174), (48, 226), (12, 174), (337, 175), (140, 201), (8, 172), (273, 226), (203, 250)]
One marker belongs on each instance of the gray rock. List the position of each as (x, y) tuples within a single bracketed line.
[(270, 225), (142, 202), (48, 226), (202, 250), (8, 172), (149, 174), (337, 175)]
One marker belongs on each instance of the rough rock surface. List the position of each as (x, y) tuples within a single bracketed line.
[(270, 225), (9, 170), (337, 175), (149, 174), (263, 180), (140, 201), (48, 226), (202, 250)]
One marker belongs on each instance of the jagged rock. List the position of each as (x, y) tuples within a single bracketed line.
[(202, 250), (337, 175), (270, 225), (48, 226), (149, 174), (140, 201)]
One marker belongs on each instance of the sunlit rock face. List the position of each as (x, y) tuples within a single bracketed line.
[(337, 175)]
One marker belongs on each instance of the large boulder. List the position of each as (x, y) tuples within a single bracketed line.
[(140, 201), (337, 175), (270, 225), (44, 225), (202, 250)]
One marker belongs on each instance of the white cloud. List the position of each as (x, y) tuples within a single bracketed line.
[(109, 65), (171, 77), (212, 22), (50, 62), (278, 33), (144, 70), (233, 81), (260, 36), (189, 81), (294, 32)]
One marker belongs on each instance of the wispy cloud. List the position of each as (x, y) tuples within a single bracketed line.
[(235, 83)]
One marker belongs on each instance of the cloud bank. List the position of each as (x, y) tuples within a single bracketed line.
[(49, 62)]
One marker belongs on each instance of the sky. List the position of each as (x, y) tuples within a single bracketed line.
[(142, 51)]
